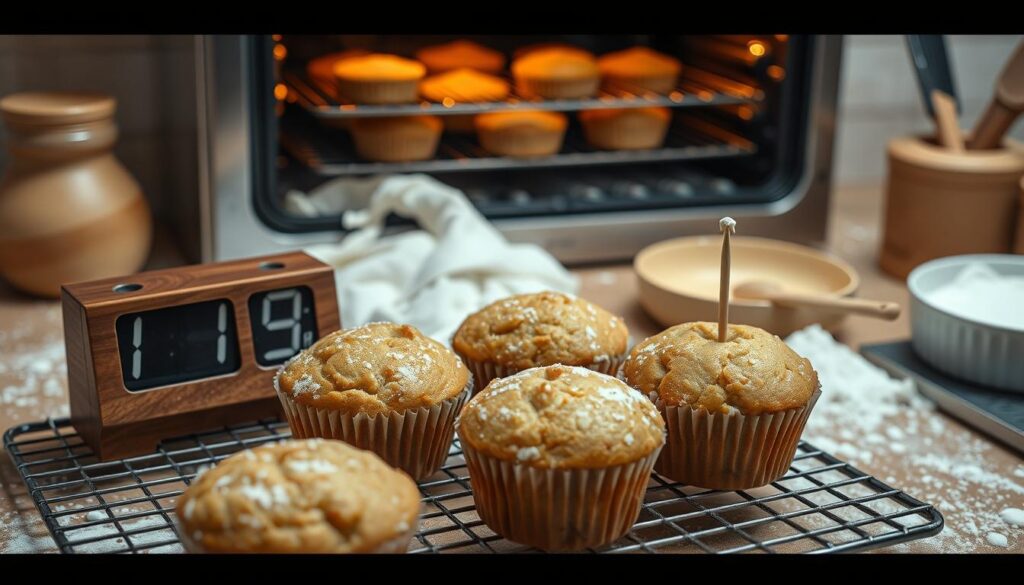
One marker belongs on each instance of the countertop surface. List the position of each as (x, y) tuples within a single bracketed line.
[(929, 455)]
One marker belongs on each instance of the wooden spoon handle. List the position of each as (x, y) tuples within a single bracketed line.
[(992, 126), (880, 309), (946, 119)]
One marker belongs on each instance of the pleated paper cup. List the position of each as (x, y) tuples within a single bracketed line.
[(415, 440), (557, 509), (485, 372), (730, 451)]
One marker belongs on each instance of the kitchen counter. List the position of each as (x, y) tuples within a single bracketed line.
[(968, 477)]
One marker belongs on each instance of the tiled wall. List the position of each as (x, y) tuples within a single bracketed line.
[(153, 79), (880, 99)]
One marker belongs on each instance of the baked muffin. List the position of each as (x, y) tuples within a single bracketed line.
[(308, 496), (559, 457), (525, 50), (321, 69), (747, 398), (379, 79), (625, 128), (540, 329), (396, 139), (383, 387), (522, 134), (459, 54), (463, 85), (556, 73), (639, 70)]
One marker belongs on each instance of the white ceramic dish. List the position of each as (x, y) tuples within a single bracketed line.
[(679, 281), (979, 352)]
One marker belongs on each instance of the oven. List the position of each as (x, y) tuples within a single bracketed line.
[(752, 121)]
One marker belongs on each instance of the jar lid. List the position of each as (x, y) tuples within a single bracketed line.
[(52, 108)]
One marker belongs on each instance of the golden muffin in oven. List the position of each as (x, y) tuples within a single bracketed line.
[(540, 329), (559, 456), (459, 54), (299, 496), (625, 128), (556, 73), (639, 70), (396, 138), (751, 394), (521, 134), (463, 86), (384, 387), (379, 79)]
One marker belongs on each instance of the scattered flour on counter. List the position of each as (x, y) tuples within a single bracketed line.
[(1013, 516), (607, 278), (996, 539), (883, 426)]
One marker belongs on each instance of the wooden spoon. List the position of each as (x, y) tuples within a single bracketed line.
[(768, 291), (1006, 105), (947, 121)]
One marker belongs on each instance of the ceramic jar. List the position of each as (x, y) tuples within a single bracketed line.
[(69, 210)]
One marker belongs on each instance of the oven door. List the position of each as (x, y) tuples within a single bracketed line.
[(242, 177)]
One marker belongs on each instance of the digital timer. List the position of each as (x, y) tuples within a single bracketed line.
[(168, 352)]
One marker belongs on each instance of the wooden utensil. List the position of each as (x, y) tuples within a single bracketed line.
[(1006, 105), (727, 226), (947, 121), (769, 291)]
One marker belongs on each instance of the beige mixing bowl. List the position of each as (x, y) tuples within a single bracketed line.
[(679, 281)]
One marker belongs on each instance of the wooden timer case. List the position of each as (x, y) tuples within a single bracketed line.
[(169, 352)]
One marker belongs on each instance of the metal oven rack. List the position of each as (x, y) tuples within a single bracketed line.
[(697, 87), (821, 505)]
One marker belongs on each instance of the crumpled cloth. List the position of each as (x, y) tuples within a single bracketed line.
[(432, 278)]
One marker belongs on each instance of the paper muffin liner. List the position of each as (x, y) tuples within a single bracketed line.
[(414, 440), (484, 372), (730, 451), (582, 87), (405, 91), (396, 145), (397, 545), (613, 134), (659, 84), (557, 509)]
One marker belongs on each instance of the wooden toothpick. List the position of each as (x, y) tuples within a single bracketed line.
[(727, 226)]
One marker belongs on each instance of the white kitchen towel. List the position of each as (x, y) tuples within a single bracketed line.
[(433, 277)]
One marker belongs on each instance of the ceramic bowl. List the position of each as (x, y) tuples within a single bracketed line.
[(678, 281), (984, 353)]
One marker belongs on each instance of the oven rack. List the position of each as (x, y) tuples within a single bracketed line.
[(330, 151), (127, 506), (697, 87)]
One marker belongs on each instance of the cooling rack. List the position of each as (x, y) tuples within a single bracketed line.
[(127, 506)]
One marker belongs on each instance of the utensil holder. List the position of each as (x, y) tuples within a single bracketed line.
[(1018, 247), (943, 203)]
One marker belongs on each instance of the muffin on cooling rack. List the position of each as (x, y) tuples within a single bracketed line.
[(378, 79), (559, 457), (625, 128), (383, 387), (639, 70), (734, 409), (299, 496), (540, 329), (459, 54), (556, 73)]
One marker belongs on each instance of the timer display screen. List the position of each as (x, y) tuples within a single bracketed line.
[(283, 323), (177, 344)]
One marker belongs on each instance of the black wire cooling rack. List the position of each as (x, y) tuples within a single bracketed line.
[(127, 505)]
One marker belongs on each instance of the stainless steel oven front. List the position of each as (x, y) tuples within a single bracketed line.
[(244, 84)]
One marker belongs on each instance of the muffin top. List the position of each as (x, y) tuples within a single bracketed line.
[(373, 369), (525, 50), (322, 67), (379, 67), (541, 329), (556, 63), (638, 61), (461, 53), (386, 123), (604, 115), (752, 371), (498, 121), (562, 417), (299, 496), (464, 85)]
